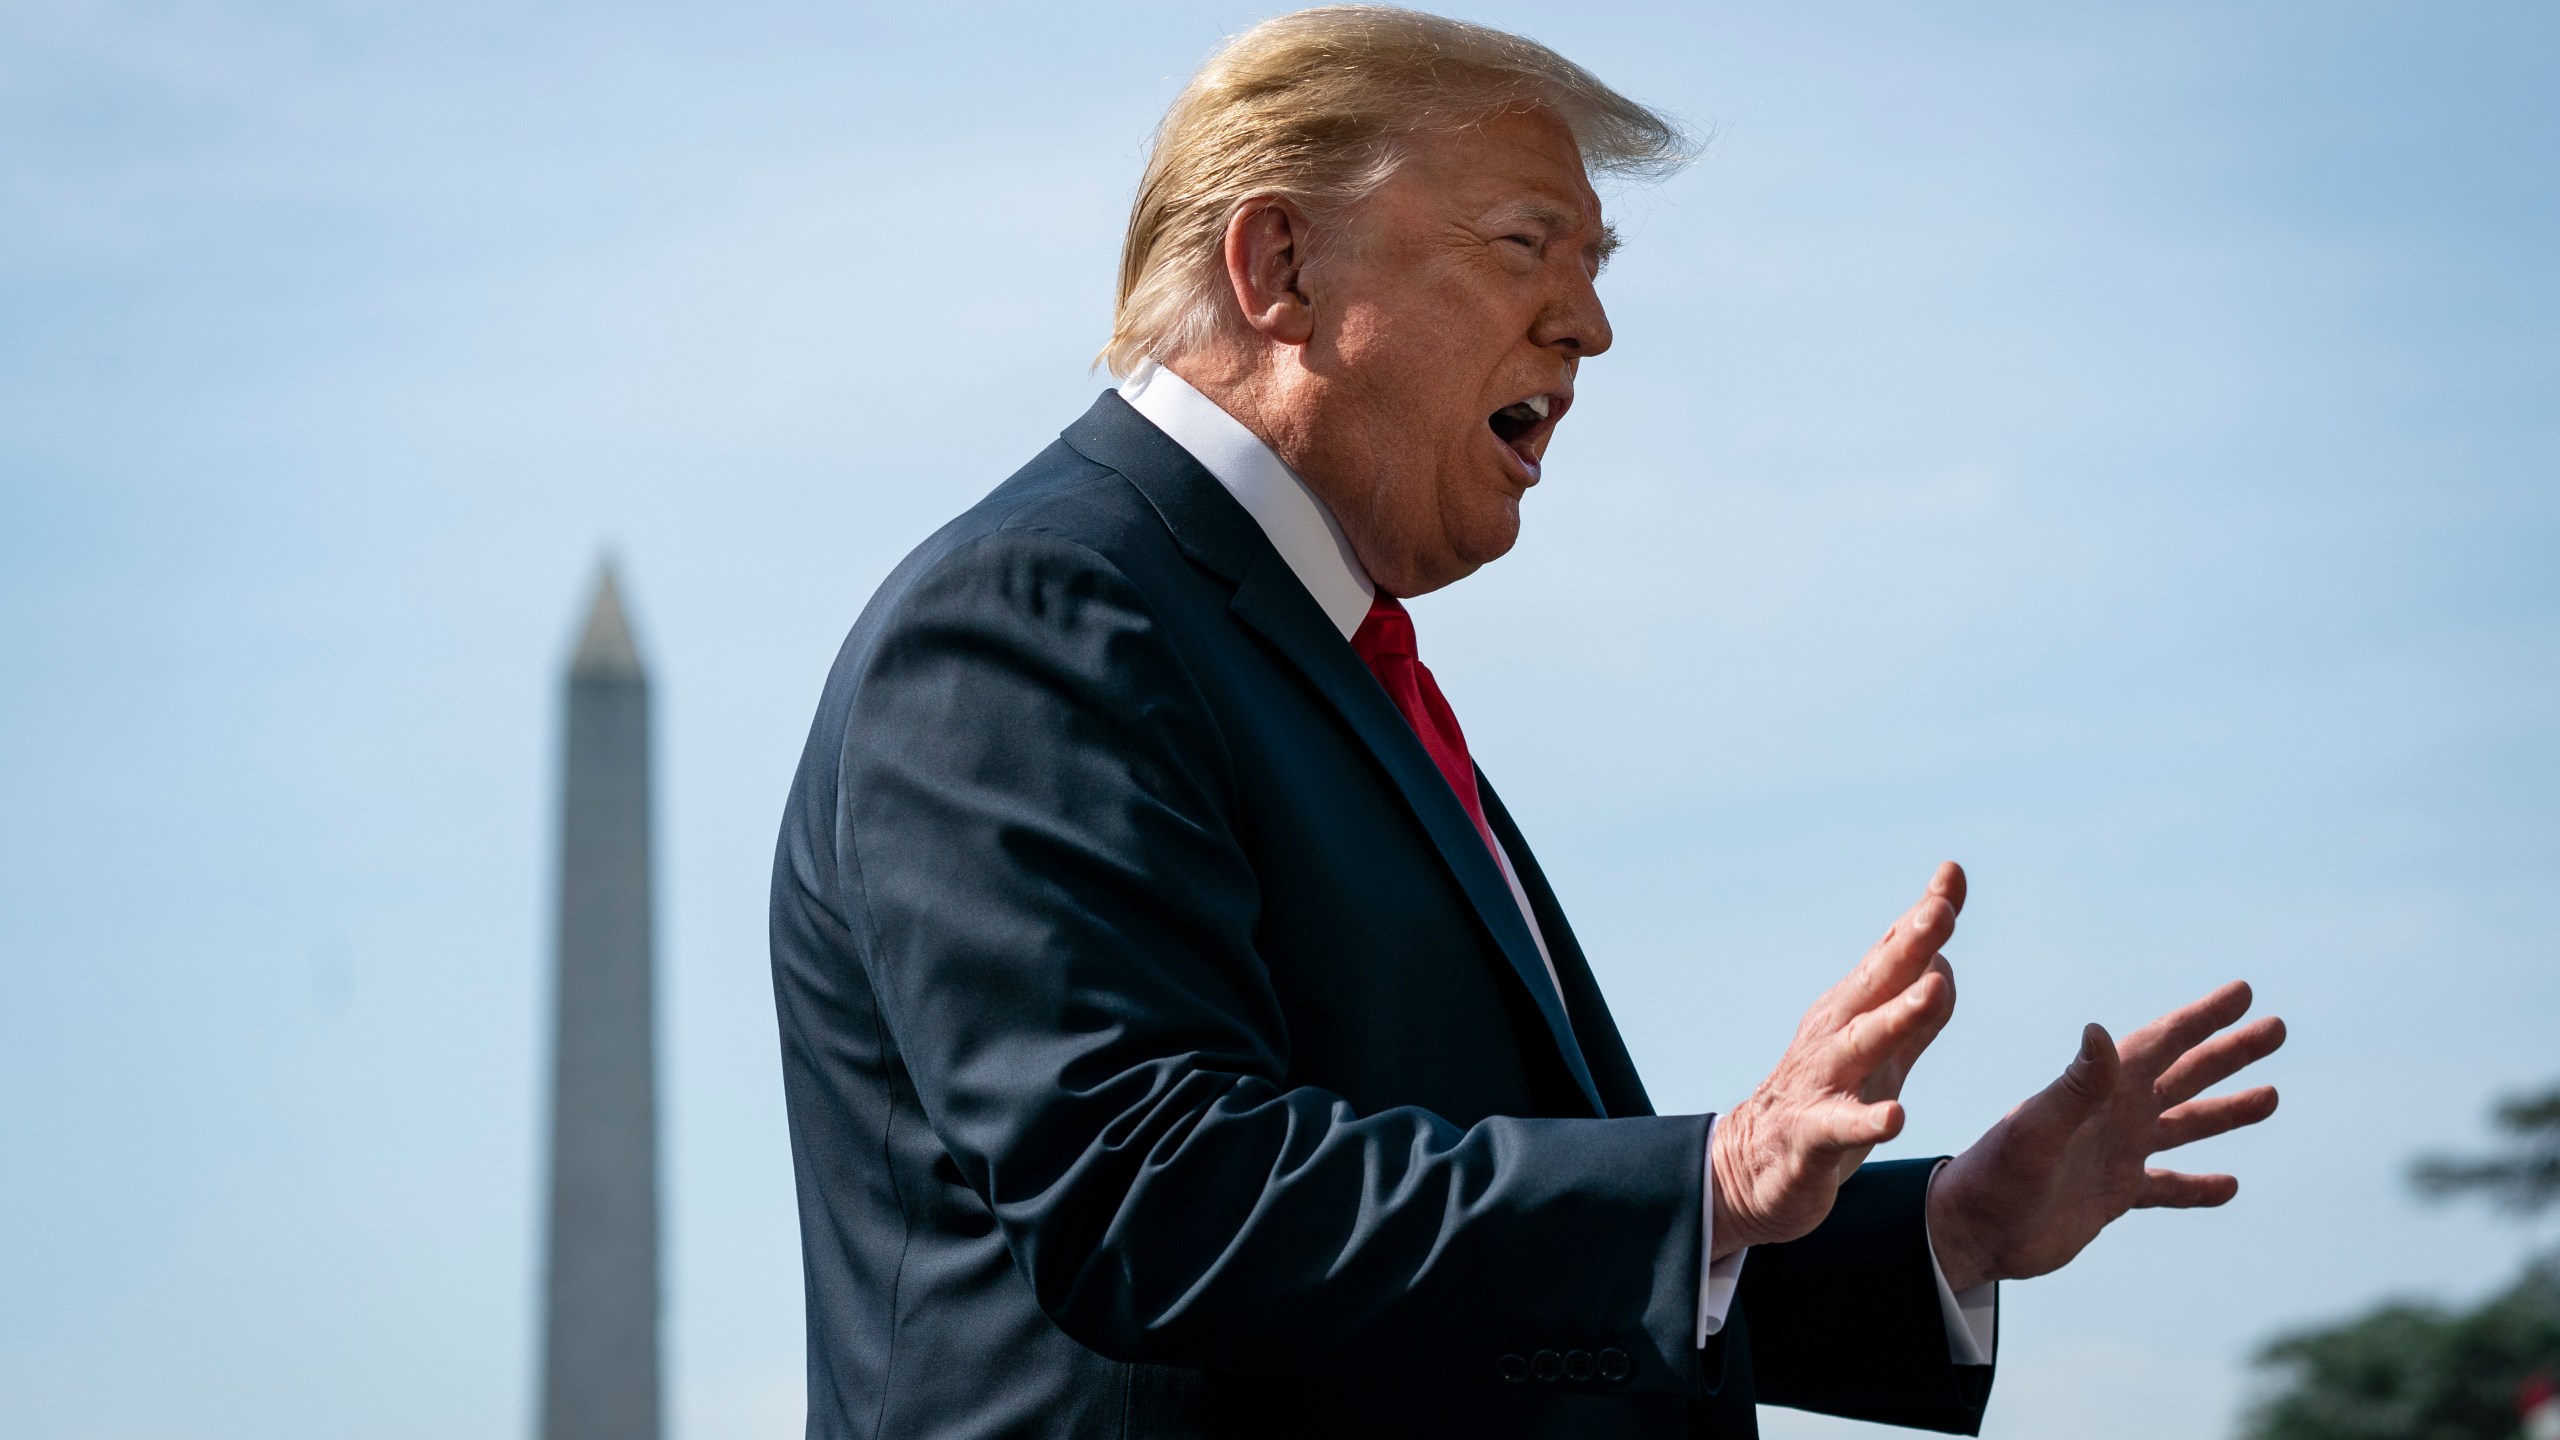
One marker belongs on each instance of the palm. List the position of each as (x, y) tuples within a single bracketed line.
[(2033, 1192), (1781, 1155)]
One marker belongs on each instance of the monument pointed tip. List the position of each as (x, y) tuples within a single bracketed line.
[(605, 649)]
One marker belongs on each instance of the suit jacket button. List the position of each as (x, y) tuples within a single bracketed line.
[(1578, 1365), (1515, 1368), (1546, 1365), (1614, 1364)]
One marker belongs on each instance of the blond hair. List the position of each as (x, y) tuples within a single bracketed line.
[(1316, 108)]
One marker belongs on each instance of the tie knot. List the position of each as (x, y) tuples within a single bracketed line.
[(1388, 630)]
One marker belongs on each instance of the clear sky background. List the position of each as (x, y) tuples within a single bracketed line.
[(2114, 446)]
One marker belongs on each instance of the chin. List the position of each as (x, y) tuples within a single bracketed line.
[(1490, 536)]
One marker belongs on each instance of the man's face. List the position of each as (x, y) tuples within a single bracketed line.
[(1448, 322)]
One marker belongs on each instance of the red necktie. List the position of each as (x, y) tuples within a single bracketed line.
[(1384, 642)]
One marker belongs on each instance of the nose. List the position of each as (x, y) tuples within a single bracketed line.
[(1574, 323)]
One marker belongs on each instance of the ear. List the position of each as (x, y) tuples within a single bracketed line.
[(1266, 251)]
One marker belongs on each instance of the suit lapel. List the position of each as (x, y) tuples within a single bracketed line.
[(1273, 603), (1214, 530), (1603, 1048)]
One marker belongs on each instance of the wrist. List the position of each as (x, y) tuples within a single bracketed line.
[(1961, 1259), (1731, 1228)]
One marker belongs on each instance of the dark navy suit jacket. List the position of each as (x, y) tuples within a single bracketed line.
[(1166, 1056)]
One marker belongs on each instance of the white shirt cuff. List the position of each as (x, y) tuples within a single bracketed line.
[(1972, 1318), (1716, 1278)]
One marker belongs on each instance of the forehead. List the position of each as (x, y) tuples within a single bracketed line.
[(1522, 160)]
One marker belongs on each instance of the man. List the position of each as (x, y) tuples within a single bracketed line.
[(1180, 1037)]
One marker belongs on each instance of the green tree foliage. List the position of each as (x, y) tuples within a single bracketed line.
[(2414, 1372), (2424, 1372), (2525, 1179)]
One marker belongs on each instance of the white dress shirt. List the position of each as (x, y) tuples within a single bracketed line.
[(1307, 536)]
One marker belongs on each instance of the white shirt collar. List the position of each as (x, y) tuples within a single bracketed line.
[(1296, 522)]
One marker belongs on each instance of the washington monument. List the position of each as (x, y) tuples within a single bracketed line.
[(600, 1292)]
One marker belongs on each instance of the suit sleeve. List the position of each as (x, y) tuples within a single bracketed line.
[(1036, 820), (1847, 1321)]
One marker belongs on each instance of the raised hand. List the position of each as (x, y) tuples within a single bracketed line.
[(2039, 1187), (1779, 1156)]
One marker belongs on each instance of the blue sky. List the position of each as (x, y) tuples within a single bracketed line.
[(2114, 446)]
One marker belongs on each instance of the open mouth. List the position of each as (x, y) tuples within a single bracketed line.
[(1523, 426)]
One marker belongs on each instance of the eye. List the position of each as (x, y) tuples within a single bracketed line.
[(1525, 242)]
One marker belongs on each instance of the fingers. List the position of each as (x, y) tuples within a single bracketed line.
[(2218, 1059), (2157, 1045), (1948, 884), (1906, 950), (2203, 1119), (1905, 1023), (1908, 1053), (2173, 1190), (1848, 1123)]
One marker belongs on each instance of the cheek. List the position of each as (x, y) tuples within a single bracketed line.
[(1426, 344), (1421, 371)]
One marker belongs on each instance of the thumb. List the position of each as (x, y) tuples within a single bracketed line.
[(2079, 1090)]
